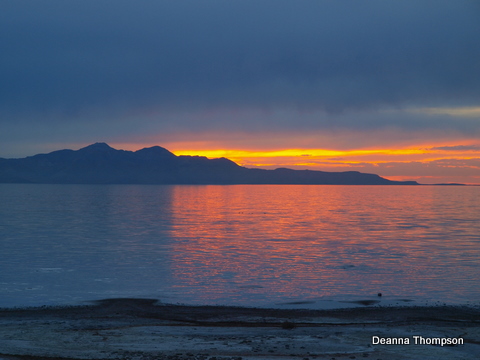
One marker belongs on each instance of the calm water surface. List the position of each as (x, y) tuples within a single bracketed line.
[(254, 245)]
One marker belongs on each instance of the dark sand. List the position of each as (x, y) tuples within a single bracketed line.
[(146, 329)]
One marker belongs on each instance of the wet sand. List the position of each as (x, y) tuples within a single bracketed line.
[(141, 329)]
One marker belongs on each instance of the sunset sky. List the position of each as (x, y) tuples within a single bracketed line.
[(386, 87)]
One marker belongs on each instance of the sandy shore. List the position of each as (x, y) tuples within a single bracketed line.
[(146, 329)]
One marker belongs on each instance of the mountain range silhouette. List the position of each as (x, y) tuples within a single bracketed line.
[(101, 164)]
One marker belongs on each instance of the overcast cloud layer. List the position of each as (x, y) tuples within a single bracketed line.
[(87, 70)]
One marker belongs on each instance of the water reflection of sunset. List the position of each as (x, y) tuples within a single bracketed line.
[(309, 241)]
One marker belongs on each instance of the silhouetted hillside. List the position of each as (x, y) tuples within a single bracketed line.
[(101, 164)]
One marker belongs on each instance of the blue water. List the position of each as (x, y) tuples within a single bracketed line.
[(252, 245)]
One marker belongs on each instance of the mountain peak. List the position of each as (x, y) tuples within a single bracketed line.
[(155, 151), (98, 146)]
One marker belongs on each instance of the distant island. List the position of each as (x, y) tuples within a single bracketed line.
[(101, 164)]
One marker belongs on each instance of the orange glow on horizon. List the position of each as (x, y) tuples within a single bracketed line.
[(314, 157), (296, 153), (440, 162)]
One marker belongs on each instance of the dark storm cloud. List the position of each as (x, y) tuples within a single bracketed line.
[(64, 59)]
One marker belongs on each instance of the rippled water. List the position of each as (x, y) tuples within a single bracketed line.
[(238, 245)]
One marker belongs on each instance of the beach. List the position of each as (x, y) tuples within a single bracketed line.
[(148, 329)]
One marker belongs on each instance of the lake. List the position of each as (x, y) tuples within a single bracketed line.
[(249, 245)]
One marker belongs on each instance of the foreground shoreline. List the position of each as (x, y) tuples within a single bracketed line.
[(146, 329)]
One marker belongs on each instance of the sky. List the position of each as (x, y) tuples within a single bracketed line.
[(385, 87)]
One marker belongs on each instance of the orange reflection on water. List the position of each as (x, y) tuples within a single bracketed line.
[(290, 242)]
